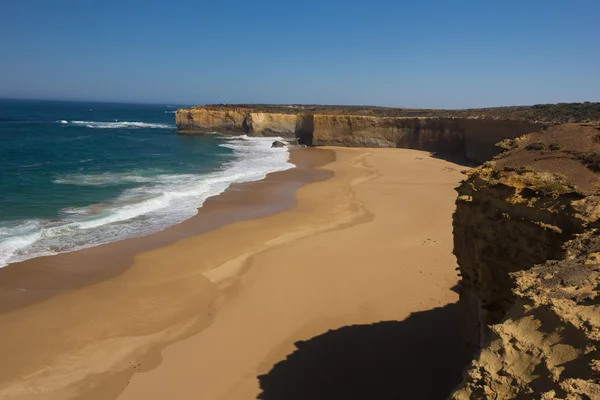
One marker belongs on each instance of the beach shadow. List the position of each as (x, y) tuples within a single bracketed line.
[(418, 358), (456, 158)]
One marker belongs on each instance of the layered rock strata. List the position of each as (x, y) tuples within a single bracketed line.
[(243, 120), (471, 137), (527, 248), (548, 345)]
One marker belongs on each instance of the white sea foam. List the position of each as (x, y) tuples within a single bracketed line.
[(106, 179), (170, 112), (161, 201), (34, 165), (16, 239), (117, 124)]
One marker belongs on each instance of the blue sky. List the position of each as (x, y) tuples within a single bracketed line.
[(440, 54)]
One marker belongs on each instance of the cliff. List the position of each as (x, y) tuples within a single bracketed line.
[(525, 228), (526, 244), (547, 347), (472, 136)]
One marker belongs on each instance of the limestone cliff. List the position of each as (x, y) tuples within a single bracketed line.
[(205, 120), (533, 329), (547, 347), (472, 136)]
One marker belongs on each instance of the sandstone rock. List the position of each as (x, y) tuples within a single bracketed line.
[(473, 138), (277, 143), (526, 244), (548, 345)]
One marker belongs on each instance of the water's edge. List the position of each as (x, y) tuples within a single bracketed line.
[(27, 282)]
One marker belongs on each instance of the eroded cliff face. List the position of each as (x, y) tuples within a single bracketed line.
[(199, 120), (528, 253), (548, 345), (473, 138)]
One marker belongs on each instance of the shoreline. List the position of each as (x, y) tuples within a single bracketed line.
[(231, 302), (30, 281)]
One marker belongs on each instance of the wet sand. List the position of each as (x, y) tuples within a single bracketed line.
[(34, 280), (369, 239)]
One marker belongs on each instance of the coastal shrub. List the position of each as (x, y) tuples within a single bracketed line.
[(555, 146), (565, 112), (523, 170), (535, 146), (591, 160), (541, 113), (507, 144), (546, 183)]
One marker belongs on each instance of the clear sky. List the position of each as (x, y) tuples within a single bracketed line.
[(441, 54)]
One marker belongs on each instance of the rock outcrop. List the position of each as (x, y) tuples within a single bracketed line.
[(527, 248), (548, 345), (244, 120), (278, 143), (472, 137)]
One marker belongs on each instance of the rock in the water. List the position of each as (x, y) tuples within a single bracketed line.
[(277, 143)]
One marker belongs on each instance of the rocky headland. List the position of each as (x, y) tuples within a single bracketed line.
[(470, 134), (525, 227)]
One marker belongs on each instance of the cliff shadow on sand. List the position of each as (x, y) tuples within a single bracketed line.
[(417, 358)]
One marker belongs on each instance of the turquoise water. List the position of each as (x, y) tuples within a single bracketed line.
[(75, 175)]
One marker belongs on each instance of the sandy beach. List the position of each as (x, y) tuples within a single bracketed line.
[(334, 280)]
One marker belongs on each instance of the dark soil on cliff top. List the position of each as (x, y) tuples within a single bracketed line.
[(571, 151)]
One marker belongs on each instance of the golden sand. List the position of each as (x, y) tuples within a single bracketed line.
[(205, 316)]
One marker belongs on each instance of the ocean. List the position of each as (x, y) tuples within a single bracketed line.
[(75, 175)]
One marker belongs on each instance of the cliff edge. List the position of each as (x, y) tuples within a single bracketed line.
[(469, 134), (525, 237)]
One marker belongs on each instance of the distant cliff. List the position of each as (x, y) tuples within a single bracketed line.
[(464, 133), (243, 120)]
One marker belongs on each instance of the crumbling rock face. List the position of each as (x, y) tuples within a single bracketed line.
[(533, 329), (473, 138), (495, 234), (548, 345), (243, 120), (200, 120)]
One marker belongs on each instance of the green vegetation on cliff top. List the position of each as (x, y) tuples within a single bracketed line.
[(551, 113)]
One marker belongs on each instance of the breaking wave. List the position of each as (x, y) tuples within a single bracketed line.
[(116, 124), (156, 202)]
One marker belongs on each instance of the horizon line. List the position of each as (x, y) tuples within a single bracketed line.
[(199, 104)]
